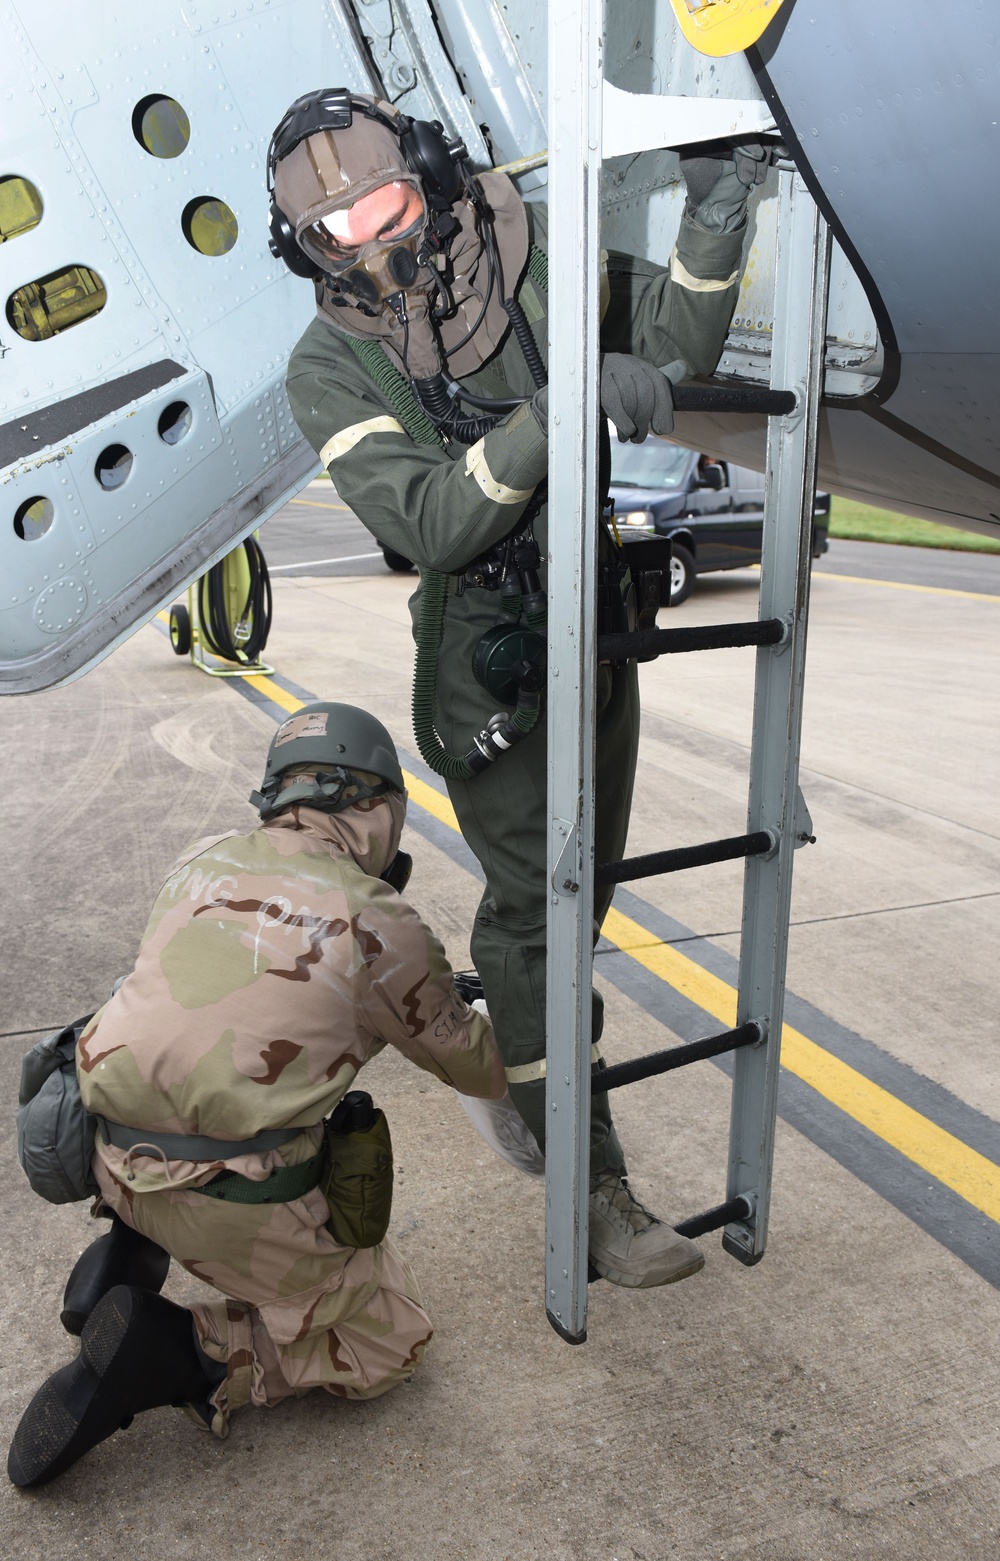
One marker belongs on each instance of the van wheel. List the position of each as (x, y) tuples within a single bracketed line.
[(396, 561), (681, 574)]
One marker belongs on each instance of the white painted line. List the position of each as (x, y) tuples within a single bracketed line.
[(313, 563)]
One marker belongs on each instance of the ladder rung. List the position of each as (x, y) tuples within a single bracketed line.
[(734, 398), (603, 1079), (681, 857), (646, 643), (739, 1208)]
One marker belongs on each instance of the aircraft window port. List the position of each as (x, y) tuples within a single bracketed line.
[(41, 309), (175, 422), (20, 207), (209, 225), (113, 466), (161, 126), (33, 518)]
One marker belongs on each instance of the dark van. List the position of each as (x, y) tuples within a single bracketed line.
[(711, 510)]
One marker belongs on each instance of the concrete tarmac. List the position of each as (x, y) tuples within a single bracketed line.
[(840, 1399)]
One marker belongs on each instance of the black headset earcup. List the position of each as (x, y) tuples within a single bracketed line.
[(435, 160), (284, 245)]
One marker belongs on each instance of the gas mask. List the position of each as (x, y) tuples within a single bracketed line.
[(379, 269), (445, 304)]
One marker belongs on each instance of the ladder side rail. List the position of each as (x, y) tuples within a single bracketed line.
[(801, 289), (575, 82)]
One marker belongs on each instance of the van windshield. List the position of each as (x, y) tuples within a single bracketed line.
[(652, 464)]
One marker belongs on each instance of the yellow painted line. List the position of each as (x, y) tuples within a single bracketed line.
[(273, 690), (431, 801), (948, 1159), (699, 986), (318, 504), (964, 1170), (902, 585), (940, 1154)]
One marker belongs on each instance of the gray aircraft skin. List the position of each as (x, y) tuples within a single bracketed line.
[(144, 427), (895, 126)]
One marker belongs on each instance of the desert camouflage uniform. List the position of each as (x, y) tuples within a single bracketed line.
[(274, 965)]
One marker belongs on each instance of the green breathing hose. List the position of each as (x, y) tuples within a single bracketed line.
[(434, 588), (538, 267)]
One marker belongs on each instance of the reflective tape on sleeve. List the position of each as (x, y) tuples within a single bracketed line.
[(476, 466), (698, 284), (536, 1070), (349, 437)]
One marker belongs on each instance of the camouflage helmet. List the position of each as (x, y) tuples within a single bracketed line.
[(333, 742)]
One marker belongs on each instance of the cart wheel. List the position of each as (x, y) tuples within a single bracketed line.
[(396, 561), (180, 629)]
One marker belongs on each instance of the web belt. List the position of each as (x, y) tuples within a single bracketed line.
[(192, 1146), (285, 1182)]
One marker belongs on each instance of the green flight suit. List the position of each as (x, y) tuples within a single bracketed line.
[(444, 505)]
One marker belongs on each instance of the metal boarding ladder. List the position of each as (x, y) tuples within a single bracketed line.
[(579, 103)]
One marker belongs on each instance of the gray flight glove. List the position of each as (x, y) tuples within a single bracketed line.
[(637, 397), (718, 187)]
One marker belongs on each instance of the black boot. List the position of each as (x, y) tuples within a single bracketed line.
[(122, 1257), (137, 1351)]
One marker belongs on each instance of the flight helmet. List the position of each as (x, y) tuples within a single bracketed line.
[(345, 754)]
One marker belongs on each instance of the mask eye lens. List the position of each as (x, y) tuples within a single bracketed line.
[(320, 243)]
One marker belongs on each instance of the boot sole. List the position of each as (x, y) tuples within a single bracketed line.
[(626, 1281), (65, 1419)]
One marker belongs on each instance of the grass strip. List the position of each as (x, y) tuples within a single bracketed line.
[(861, 523)]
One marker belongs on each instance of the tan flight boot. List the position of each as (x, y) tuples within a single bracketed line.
[(629, 1246)]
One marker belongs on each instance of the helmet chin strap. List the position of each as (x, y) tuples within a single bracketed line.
[(323, 791)]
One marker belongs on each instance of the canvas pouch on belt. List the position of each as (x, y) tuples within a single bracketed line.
[(55, 1131), (356, 1179)]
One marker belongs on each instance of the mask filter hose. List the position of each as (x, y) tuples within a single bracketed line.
[(503, 732)]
